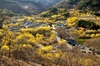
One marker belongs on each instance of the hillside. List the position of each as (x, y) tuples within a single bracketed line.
[(27, 6), (49, 33), (4, 4), (87, 5), (68, 4), (55, 13), (36, 6), (49, 3)]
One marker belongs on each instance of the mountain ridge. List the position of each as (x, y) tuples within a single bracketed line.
[(27, 6)]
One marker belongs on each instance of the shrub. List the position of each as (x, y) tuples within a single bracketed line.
[(87, 24), (4, 50), (53, 10), (23, 51)]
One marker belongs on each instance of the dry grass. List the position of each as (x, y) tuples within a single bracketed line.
[(95, 43)]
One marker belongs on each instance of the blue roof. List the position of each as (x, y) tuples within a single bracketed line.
[(72, 42)]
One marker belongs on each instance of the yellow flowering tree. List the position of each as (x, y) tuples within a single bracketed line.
[(72, 21), (39, 37), (4, 50), (26, 38)]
